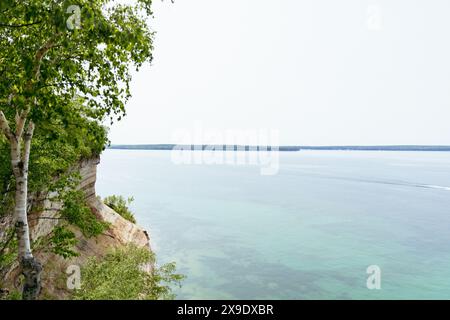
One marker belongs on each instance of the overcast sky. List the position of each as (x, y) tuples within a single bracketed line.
[(321, 72)]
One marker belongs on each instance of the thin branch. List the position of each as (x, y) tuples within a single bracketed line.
[(46, 218), (27, 145), (4, 126), (20, 25), (40, 54), (20, 124)]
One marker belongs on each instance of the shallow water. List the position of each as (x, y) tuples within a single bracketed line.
[(308, 232)]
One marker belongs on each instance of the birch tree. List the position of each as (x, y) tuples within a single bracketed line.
[(52, 52)]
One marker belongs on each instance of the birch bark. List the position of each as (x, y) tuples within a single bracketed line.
[(31, 268)]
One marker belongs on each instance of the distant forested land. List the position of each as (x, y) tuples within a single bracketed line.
[(201, 147), (281, 148)]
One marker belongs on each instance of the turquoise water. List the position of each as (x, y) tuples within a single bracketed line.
[(309, 232)]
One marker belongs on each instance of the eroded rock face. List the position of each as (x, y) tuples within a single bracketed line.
[(121, 230), (88, 172), (43, 221), (120, 233)]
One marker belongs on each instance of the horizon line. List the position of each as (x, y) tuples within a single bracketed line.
[(237, 147)]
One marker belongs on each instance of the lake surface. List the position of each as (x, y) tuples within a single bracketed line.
[(308, 232)]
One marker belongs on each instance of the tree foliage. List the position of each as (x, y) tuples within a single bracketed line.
[(47, 64), (60, 241), (123, 275), (76, 212)]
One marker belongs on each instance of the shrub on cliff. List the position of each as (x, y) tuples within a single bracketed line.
[(120, 205), (127, 274)]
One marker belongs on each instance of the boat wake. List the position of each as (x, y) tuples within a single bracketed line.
[(385, 182)]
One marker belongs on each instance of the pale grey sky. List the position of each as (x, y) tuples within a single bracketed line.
[(322, 72)]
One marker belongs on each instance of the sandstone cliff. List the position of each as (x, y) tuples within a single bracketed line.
[(121, 232)]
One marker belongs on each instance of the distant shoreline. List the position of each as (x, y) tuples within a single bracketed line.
[(169, 147)]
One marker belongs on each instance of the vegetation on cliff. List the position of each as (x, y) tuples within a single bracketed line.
[(127, 274), (120, 205)]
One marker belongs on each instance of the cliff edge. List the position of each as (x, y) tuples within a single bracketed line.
[(121, 232)]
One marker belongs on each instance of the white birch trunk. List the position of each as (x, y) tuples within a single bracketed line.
[(20, 169), (31, 268)]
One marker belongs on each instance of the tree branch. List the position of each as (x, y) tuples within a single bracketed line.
[(46, 218), (40, 54), (19, 25), (4, 126), (20, 124), (27, 145)]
